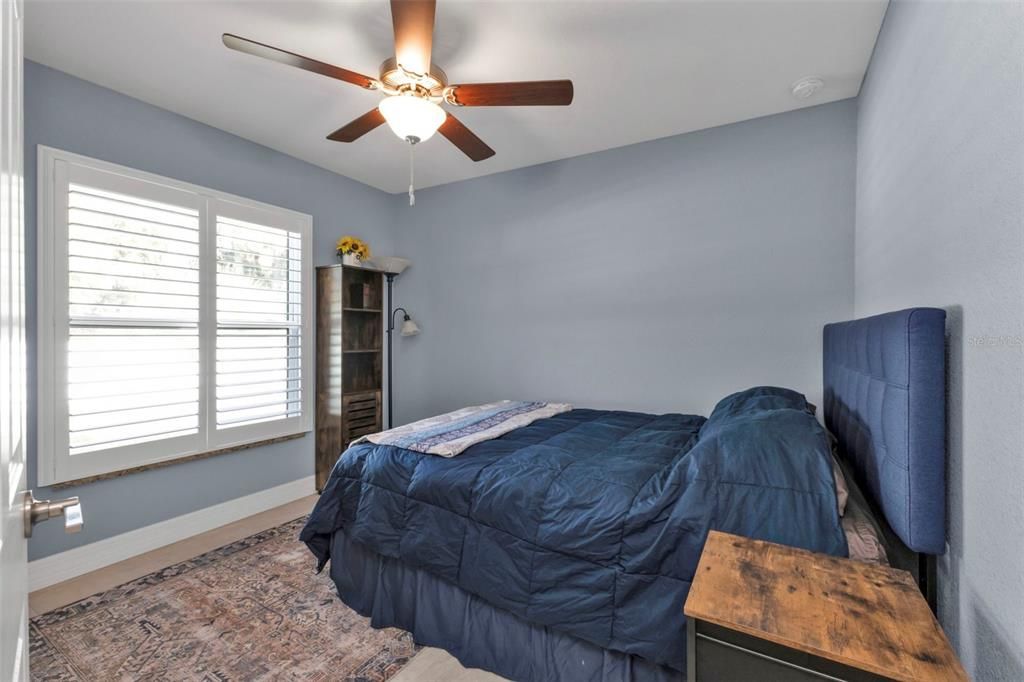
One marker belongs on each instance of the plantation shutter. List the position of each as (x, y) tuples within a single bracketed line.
[(132, 372), (259, 319)]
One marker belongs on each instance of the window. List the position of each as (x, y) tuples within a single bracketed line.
[(172, 319)]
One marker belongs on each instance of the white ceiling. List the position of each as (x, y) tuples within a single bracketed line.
[(641, 69)]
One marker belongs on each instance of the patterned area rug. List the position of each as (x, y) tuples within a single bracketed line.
[(251, 610)]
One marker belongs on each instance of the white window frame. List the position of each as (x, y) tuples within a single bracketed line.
[(55, 463)]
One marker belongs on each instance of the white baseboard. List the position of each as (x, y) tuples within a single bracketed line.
[(72, 563)]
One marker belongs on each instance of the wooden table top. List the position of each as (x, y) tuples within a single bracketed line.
[(868, 617)]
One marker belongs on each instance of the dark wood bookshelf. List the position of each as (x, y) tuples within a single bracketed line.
[(349, 360)]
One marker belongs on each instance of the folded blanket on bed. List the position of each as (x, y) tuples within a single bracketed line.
[(449, 434)]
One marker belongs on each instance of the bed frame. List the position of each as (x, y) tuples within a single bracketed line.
[(884, 400)]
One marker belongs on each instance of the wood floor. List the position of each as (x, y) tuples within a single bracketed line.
[(430, 665)]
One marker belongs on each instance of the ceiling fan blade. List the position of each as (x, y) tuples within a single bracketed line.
[(413, 22), (524, 93), (463, 138), (291, 59), (354, 130)]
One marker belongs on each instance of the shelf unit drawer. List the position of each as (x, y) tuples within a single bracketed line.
[(362, 415)]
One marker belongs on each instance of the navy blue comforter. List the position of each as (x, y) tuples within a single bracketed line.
[(591, 522)]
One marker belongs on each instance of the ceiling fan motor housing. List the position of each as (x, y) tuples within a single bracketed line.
[(394, 76)]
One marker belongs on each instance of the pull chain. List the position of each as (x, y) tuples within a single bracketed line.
[(412, 174)]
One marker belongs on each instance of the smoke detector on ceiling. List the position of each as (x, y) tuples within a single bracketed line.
[(807, 87)]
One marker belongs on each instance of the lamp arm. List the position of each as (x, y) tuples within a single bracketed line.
[(391, 322)]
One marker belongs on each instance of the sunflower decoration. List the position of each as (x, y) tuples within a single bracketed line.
[(354, 246)]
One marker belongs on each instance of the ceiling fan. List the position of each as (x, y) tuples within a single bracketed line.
[(414, 87)]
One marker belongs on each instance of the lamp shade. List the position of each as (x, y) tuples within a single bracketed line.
[(409, 328), (412, 118), (391, 264)]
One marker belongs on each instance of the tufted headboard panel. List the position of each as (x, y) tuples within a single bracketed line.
[(885, 402)]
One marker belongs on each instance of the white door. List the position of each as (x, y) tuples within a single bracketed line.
[(13, 556)]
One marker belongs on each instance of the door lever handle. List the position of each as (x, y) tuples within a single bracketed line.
[(36, 511)]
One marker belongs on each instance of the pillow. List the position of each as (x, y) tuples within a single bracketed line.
[(753, 401), (762, 399), (842, 488), (863, 537)]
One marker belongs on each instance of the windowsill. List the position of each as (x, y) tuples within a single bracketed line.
[(179, 460)]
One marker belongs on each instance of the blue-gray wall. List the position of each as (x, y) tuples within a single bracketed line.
[(940, 221), (65, 112), (659, 276)]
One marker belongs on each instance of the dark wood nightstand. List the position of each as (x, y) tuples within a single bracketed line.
[(761, 611)]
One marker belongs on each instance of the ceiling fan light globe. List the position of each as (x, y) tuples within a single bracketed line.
[(411, 117)]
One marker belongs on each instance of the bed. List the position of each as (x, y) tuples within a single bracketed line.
[(564, 549)]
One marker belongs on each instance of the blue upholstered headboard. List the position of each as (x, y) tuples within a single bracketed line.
[(885, 402)]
